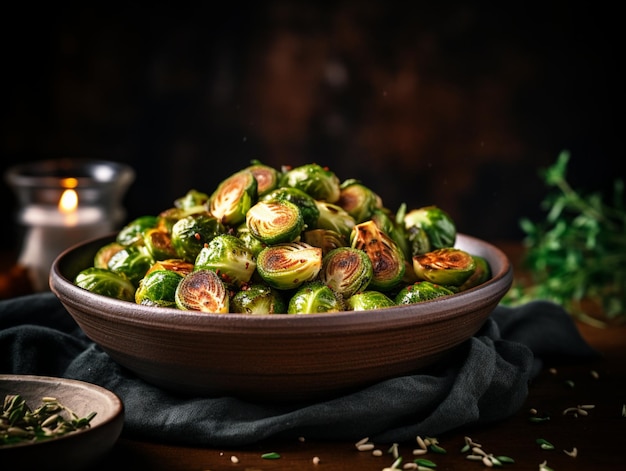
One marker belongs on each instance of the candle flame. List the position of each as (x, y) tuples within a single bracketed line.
[(69, 201)]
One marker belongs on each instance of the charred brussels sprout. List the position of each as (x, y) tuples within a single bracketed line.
[(132, 233), (346, 271), (190, 233), (437, 224), (177, 265), (275, 221), (204, 291), (315, 180), (367, 300), (287, 266), (104, 254), (384, 221), (159, 245), (334, 218), (133, 262), (305, 202), (387, 258), (481, 273), (233, 197), (313, 297), (158, 288), (258, 299), (326, 239), (105, 282), (421, 291), (445, 266), (267, 177), (358, 200), (229, 257)]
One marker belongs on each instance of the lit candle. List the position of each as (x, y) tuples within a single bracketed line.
[(54, 215)]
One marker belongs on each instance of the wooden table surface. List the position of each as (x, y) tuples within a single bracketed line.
[(598, 434)]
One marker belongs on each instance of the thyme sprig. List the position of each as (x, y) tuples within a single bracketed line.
[(578, 253)]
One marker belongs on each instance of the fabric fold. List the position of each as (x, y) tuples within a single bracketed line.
[(487, 380)]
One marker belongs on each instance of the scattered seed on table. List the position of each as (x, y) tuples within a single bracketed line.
[(420, 451), (487, 462), (544, 444), (553, 371), (316, 460), (365, 447), (234, 459), (377, 452), (573, 453), (421, 443), (594, 374), (270, 456), (425, 463)]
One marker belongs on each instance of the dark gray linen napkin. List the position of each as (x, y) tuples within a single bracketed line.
[(486, 381)]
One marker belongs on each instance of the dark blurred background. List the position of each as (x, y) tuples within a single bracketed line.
[(451, 104)]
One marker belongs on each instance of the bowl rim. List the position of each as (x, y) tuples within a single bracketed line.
[(439, 309)]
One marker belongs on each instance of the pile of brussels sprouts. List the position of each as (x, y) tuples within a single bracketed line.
[(290, 241)]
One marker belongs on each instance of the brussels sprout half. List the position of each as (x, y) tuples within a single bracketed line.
[(481, 274), (358, 200), (106, 283), (275, 221), (287, 266), (267, 177), (325, 239), (190, 233), (346, 271), (203, 291), (306, 203), (315, 180), (334, 218), (104, 254), (313, 297), (437, 224), (421, 291), (132, 233), (233, 197), (258, 299), (133, 262), (158, 288), (159, 245), (367, 300), (228, 256), (387, 258), (445, 266)]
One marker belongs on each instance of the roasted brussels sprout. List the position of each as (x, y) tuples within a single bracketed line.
[(233, 197), (190, 233), (253, 244), (132, 261), (482, 273), (445, 266), (437, 224), (387, 258), (319, 182), (229, 257), (107, 283), (287, 266), (369, 299), (204, 291), (104, 254), (275, 221), (158, 288), (192, 201), (385, 222), (325, 239), (358, 200), (305, 202), (346, 271), (132, 233), (313, 297), (421, 291), (334, 218), (159, 245), (267, 177), (177, 265), (258, 299)]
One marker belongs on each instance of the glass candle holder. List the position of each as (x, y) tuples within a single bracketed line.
[(62, 203)]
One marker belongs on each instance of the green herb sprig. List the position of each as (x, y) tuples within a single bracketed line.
[(578, 252)]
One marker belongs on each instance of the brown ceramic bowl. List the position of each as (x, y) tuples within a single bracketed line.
[(75, 450), (277, 357)]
